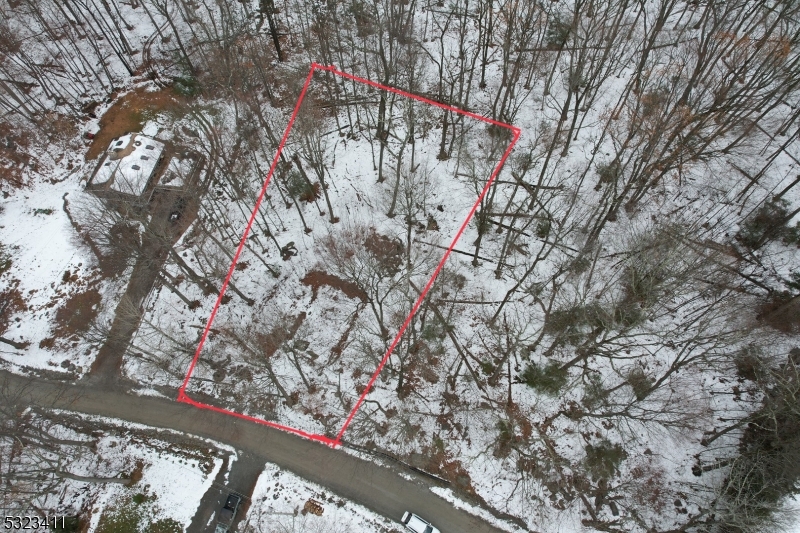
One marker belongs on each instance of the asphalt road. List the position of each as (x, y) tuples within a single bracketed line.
[(376, 487)]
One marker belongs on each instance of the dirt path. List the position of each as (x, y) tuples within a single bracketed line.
[(376, 487), (108, 363)]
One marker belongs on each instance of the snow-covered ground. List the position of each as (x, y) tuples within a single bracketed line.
[(278, 503), (450, 496), (525, 452), (794, 515), (167, 480), (172, 483), (319, 292), (49, 268)]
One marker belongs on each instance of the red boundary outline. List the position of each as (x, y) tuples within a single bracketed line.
[(184, 398)]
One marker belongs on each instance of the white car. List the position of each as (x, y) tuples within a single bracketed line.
[(417, 524)]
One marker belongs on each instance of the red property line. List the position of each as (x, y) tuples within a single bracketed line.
[(183, 397), (365, 81)]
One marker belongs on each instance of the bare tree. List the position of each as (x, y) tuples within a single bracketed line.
[(41, 451)]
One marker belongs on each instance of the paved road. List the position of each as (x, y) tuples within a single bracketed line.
[(376, 487)]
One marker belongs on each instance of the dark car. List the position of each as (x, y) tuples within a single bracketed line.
[(228, 513)]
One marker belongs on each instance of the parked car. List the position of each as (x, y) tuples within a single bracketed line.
[(228, 513), (417, 524)]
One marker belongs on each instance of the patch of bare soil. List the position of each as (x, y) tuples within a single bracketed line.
[(782, 312), (11, 303), (316, 279), (389, 252), (75, 316), (129, 113), (435, 460), (336, 351), (273, 340), (137, 473), (13, 154)]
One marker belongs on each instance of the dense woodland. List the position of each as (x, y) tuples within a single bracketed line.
[(617, 340)]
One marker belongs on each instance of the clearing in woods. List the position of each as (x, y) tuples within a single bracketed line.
[(129, 113)]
